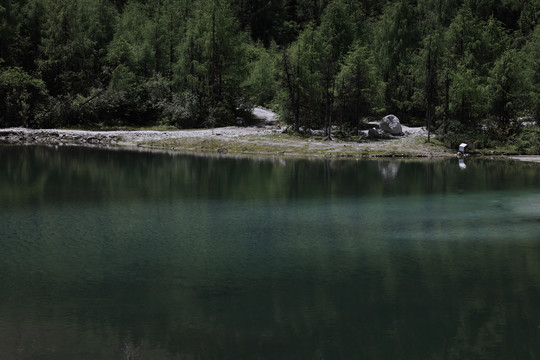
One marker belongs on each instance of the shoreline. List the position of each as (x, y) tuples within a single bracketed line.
[(266, 139)]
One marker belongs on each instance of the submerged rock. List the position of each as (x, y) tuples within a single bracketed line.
[(391, 125)]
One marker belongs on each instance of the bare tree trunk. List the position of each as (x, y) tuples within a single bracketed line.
[(297, 105), (212, 77), (429, 91), (330, 111), (171, 46), (446, 101)]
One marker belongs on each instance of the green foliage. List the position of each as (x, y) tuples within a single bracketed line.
[(336, 30), (21, 97), (506, 91), (72, 45), (358, 90), (182, 111), (530, 55), (212, 64), (302, 96), (311, 66), (20, 31), (472, 48), (191, 63), (125, 103), (527, 141), (396, 37), (147, 36), (262, 83), (467, 95)]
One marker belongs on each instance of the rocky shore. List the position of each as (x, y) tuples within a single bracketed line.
[(269, 139), (22, 136), (266, 138)]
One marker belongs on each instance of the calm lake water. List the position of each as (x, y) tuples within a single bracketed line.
[(126, 255)]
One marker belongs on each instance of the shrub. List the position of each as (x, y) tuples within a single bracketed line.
[(181, 111), (22, 97)]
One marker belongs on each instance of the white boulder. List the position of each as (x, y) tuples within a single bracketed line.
[(391, 125)]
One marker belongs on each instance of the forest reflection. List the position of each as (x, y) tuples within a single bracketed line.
[(106, 254), (86, 174)]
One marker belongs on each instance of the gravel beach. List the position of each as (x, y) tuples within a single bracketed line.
[(268, 137)]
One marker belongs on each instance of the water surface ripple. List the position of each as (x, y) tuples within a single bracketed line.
[(126, 255)]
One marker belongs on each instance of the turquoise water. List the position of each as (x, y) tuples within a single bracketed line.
[(126, 255)]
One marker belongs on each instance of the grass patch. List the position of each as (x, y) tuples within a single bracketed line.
[(299, 146)]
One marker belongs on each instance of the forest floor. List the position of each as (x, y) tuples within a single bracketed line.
[(267, 137)]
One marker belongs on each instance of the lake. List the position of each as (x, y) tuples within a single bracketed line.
[(126, 255)]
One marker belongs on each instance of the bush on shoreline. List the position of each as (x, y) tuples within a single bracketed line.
[(514, 138)]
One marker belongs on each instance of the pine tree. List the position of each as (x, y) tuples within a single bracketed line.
[(303, 100), (466, 68), (359, 91), (530, 56), (20, 33), (261, 83), (212, 63), (336, 33), (396, 37), (72, 46), (506, 88)]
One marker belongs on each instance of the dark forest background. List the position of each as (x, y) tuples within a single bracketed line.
[(468, 68)]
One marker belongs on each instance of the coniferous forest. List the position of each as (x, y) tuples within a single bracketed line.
[(470, 69)]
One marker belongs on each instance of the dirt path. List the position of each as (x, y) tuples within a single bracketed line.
[(267, 138)]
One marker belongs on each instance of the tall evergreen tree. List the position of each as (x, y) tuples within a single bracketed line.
[(530, 56), (212, 63), (262, 83), (396, 37), (358, 89), (506, 88), (336, 31), (20, 33), (466, 68), (304, 94), (72, 47)]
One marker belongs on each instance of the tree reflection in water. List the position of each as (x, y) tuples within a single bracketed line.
[(117, 254)]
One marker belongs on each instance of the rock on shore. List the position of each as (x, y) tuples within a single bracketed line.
[(21, 136), (391, 125)]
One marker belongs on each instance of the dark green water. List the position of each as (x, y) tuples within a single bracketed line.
[(123, 255)]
